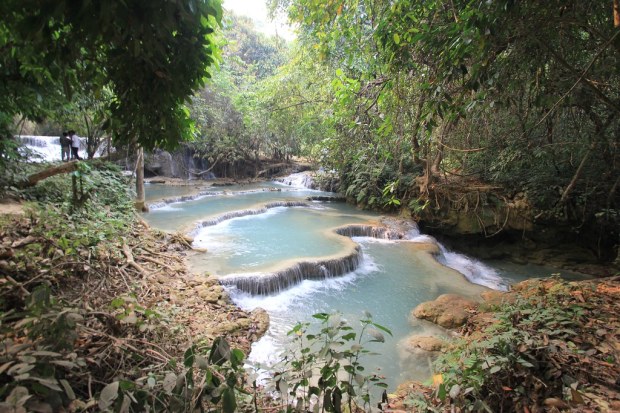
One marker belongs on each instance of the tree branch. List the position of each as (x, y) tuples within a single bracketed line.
[(581, 77)]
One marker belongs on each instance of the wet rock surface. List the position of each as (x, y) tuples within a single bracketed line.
[(448, 310)]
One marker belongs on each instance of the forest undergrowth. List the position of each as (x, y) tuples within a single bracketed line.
[(99, 312), (547, 346)]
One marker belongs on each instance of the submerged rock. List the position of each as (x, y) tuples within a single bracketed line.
[(448, 310)]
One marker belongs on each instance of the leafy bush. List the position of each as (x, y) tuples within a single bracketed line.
[(520, 360), (325, 367)]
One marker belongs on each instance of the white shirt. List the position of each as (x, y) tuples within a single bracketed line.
[(75, 141)]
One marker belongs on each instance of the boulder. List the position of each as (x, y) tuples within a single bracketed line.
[(261, 320), (159, 163), (494, 298), (448, 310), (425, 343)]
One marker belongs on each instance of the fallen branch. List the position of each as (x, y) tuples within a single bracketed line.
[(131, 262), (161, 264)]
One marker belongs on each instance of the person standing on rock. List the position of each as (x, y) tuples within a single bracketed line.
[(75, 145), (65, 146)]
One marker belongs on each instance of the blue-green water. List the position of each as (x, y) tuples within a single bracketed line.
[(258, 242), (394, 276), (158, 191), (181, 215)]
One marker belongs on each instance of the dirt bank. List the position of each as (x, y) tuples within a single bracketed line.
[(127, 308)]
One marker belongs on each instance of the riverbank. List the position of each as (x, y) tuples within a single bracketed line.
[(100, 309), (548, 345)]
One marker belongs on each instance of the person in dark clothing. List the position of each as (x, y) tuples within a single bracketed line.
[(65, 146)]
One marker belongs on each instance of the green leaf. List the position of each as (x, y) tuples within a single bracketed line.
[(220, 351), (396, 38), (229, 402), (189, 356), (236, 357)]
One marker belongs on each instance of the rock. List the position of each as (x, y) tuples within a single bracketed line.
[(210, 280), (243, 323), (159, 163), (448, 310), (493, 297), (424, 343), (261, 319), (210, 294)]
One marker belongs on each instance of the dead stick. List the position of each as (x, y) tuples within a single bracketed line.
[(131, 261), (154, 261)]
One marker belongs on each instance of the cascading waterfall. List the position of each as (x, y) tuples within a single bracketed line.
[(275, 282), (298, 180), (368, 231), (270, 283), (475, 271), (47, 148), (246, 212), (326, 257), (327, 198)]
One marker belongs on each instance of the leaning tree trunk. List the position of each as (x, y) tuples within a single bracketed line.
[(140, 203), (33, 179)]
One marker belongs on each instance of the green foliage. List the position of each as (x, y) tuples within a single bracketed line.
[(513, 357), (326, 366), (209, 378), (230, 126), (39, 364), (36, 360), (102, 217), (53, 48), (494, 91)]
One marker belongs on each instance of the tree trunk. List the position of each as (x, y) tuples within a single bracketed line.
[(33, 179), (576, 176), (140, 204)]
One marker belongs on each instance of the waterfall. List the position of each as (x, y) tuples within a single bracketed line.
[(44, 148), (368, 231), (245, 212), (298, 180), (327, 198), (47, 148), (269, 283), (475, 271)]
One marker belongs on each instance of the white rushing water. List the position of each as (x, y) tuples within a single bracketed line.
[(44, 148), (474, 270), (47, 148)]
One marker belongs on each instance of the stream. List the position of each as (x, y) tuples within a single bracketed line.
[(273, 248)]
